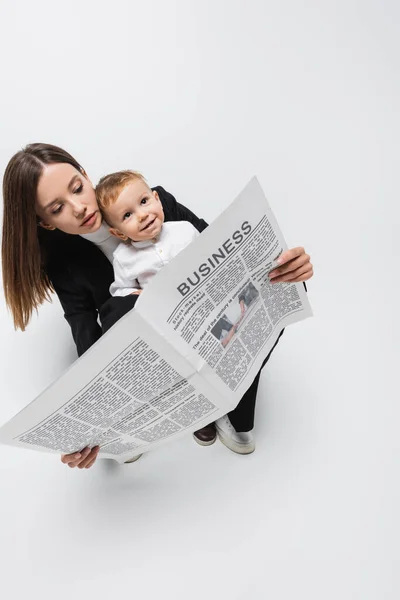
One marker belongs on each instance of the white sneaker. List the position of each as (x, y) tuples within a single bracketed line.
[(241, 442), (131, 460)]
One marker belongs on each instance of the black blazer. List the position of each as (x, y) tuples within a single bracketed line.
[(81, 276)]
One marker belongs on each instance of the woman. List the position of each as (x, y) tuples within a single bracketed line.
[(54, 240)]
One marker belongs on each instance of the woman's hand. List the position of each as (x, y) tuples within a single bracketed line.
[(295, 267), (83, 459)]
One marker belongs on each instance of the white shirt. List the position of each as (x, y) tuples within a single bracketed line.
[(106, 241), (136, 263)]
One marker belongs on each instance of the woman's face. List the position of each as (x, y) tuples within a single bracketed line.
[(66, 200)]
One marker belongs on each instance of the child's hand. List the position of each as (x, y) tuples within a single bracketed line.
[(295, 267), (83, 459), (136, 293)]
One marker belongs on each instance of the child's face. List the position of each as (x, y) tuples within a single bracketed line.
[(137, 213)]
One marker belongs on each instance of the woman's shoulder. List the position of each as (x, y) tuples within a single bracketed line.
[(167, 200), (61, 251), (58, 241), (174, 211)]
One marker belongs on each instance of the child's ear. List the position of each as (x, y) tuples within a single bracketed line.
[(158, 199), (118, 234), (46, 226)]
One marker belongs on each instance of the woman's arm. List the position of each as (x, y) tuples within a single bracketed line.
[(81, 276), (79, 310), (81, 313)]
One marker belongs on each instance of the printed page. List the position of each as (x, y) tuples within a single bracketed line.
[(131, 392), (218, 308)]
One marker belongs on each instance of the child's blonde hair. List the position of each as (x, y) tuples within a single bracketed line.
[(110, 186)]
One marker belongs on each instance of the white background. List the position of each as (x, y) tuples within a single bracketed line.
[(200, 96)]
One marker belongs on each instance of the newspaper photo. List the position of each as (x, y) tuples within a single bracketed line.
[(187, 352)]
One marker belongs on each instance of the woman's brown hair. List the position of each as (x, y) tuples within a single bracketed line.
[(25, 281)]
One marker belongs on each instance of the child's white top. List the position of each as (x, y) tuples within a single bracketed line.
[(136, 263)]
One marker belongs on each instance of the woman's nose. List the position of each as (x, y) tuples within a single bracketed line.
[(78, 209)]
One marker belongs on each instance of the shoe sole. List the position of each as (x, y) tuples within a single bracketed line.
[(201, 443), (234, 446), (132, 460)]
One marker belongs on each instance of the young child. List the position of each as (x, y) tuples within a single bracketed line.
[(135, 215)]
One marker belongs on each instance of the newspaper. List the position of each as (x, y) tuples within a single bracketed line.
[(185, 354)]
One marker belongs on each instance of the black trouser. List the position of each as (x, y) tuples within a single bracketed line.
[(242, 417)]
